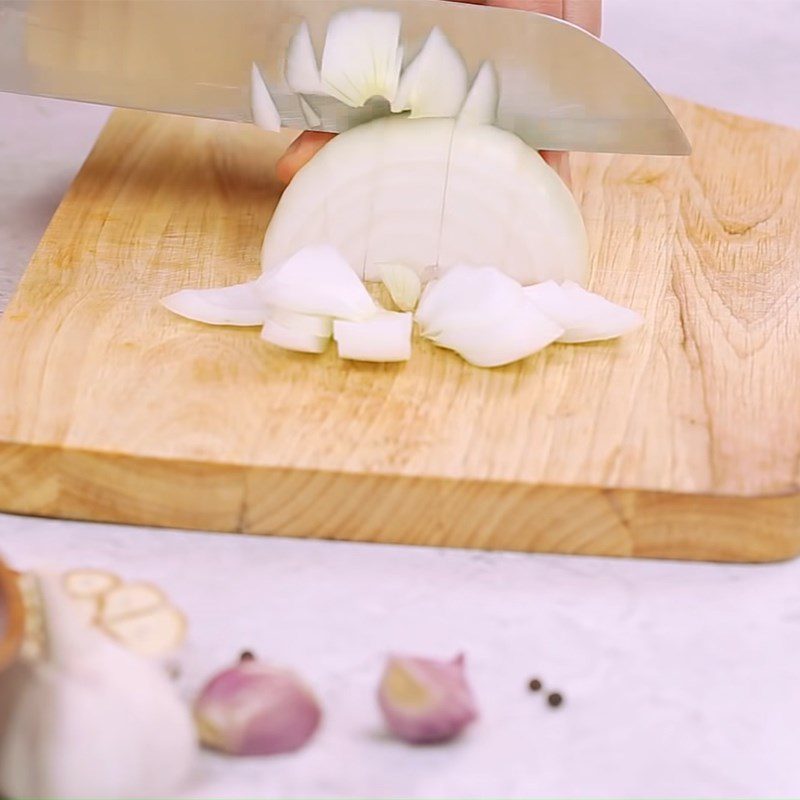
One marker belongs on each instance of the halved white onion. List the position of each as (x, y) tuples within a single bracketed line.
[(362, 56), (229, 305), (377, 193), (585, 316), (384, 338), (318, 281), (302, 71), (434, 84), (265, 113), (293, 339), (403, 284), (480, 107)]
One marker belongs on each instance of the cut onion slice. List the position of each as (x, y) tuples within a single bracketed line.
[(484, 316), (89, 583), (480, 107), (384, 338), (317, 281), (434, 84), (302, 71), (362, 56), (262, 106), (230, 305), (403, 284), (585, 316), (293, 339)]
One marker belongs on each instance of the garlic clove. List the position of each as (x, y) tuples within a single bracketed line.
[(254, 708), (229, 305), (362, 57), (403, 284), (480, 107), (425, 701), (262, 106), (434, 84), (318, 281), (585, 316), (302, 70), (384, 338), (292, 339)]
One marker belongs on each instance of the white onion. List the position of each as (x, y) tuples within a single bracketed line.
[(317, 281), (480, 107), (292, 339), (376, 193), (384, 338), (313, 120), (403, 284), (585, 316), (229, 305), (262, 106), (302, 323), (362, 56), (434, 84), (302, 71)]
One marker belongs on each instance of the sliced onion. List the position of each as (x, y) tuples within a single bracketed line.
[(480, 107), (384, 338), (302, 323), (263, 109), (313, 120), (317, 281), (585, 316), (362, 56), (302, 71), (403, 284), (230, 305), (292, 339), (434, 84), (484, 316)]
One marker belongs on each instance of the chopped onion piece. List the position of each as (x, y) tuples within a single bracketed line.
[(585, 316), (403, 283), (229, 305), (313, 120), (317, 281), (480, 107), (386, 337), (362, 56), (302, 323), (302, 71), (262, 106), (292, 339), (484, 316), (434, 84)]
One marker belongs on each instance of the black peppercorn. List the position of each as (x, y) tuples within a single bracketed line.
[(555, 700), (247, 655), (535, 685)]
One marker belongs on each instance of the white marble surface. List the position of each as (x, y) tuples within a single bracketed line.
[(680, 678)]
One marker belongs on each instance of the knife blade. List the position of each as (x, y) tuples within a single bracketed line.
[(560, 87)]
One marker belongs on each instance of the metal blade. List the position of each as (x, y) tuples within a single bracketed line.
[(561, 88)]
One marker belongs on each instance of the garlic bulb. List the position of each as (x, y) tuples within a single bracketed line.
[(88, 719), (426, 701), (254, 708)]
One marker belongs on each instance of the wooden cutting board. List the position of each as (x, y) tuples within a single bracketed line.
[(681, 441)]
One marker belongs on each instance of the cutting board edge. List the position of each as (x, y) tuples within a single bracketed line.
[(50, 481)]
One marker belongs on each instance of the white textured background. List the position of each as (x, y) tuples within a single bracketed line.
[(680, 679)]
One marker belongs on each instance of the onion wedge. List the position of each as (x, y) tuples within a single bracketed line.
[(262, 106), (585, 316), (403, 284), (384, 338), (480, 107), (302, 70), (239, 305), (293, 339)]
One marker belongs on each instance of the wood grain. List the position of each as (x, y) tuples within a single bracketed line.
[(682, 441)]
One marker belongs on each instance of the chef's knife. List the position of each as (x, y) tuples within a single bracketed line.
[(560, 87)]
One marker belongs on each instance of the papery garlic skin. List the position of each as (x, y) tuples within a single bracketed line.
[(254, 709), (88, 719), (425, 701)]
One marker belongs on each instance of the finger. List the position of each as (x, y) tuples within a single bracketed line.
[(586, 13), (559, 161), (299, 153)]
